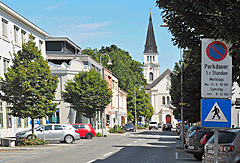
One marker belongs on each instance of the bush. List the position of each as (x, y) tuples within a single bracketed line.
[(116, 129), (141, 127), (98, 134), (31, 142)]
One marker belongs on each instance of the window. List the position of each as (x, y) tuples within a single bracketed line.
[(151, 76), (150, 58), (19, 122), (1, 115), (5, 65), (147, 58), (163, 100), (58, 127), (4, 29), (40, 45), (153, 58), (26, 122), (9, 117), (16, 29), (23, 35), (48, 127), (168, 100)]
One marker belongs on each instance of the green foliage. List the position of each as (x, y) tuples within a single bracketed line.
[(130, 73), (98, 134), (190, 23), (29, 85), (31, 142), (87, 93), (116, 129)]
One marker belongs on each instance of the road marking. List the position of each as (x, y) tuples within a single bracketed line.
[(139, 139), (107, 154), (129, 144), (91, 161), (120, 148), (134, 141), (176, 155)]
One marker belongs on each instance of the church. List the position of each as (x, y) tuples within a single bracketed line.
[(157, 85)]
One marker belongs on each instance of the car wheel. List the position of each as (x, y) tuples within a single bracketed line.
[(68, 139), (89, 136), (198, 157), (157, 128), (31, 136), (149, 128)]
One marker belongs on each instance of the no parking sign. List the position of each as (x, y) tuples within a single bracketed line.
[(216, 69)]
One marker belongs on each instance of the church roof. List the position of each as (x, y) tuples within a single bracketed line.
[(150, 46), (156, 81)]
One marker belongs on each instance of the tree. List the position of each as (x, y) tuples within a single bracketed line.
[(29, 85), (87, 93), (201, 19), (129, 72)]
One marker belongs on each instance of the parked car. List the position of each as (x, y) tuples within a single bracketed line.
[(53, 132), (85, 130), (228, 147), (190, 130), (129, 127), (186, 127), (153, 125), (159, 125), (166, 127), (178, 127), (196, 142)]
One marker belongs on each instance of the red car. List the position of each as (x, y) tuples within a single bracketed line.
[(85, 130)]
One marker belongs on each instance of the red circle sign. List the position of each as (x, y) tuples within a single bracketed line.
[(216, 51)]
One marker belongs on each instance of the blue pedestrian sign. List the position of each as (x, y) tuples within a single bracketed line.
[(216, 113)]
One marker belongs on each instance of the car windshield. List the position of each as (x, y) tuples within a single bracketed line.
[(224, 137), (153, 122), (129, 124)]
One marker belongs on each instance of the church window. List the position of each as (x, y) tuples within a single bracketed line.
[(150, 58), (147, 58), (168, 100), (153, 58), (151, 76), (163, 100)]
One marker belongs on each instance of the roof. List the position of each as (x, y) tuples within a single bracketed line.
[(150, 46), (63, 39), (156, 81), (22, 19)]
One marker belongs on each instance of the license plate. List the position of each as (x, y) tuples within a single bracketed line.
[(190, 147), (211, 151)]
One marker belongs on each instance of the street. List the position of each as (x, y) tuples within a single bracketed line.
[(146, 146)]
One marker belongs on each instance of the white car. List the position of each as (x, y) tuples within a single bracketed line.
[(53, 132), (153, 125)]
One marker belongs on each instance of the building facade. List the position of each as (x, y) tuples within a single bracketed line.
[(158, 86), (15, 30)]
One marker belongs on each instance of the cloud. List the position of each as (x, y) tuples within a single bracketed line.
[(52, 7)]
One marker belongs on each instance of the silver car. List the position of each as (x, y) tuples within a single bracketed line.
[(228, 147), (53, 132)]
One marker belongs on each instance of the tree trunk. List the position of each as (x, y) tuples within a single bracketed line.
[(32, 127)]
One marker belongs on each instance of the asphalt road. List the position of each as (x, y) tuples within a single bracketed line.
[(143, 146)]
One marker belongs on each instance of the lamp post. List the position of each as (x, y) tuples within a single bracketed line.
[(109, 63), (182, 119), (135, 107)]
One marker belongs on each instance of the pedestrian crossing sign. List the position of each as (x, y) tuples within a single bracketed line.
[(216, 113)]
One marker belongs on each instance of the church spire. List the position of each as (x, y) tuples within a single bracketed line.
[(150, 46)]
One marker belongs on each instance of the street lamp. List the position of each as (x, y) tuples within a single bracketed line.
[(181, 61), (109, 63)]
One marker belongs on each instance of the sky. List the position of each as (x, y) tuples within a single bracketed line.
[(97, 23)]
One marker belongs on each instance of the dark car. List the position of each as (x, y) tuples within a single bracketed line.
[(196, 142), (129, 127), (166, 127), (190, 130)]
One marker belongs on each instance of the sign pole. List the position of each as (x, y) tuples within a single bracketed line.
[(215, 145)]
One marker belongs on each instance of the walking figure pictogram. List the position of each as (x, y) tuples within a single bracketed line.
[(216, 111)]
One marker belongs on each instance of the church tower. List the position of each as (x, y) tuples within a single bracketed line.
[(150, 65)]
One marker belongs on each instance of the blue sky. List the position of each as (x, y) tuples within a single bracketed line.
[(96, 23)]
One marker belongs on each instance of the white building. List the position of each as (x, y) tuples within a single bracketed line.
[(14, 30), (158, 86)]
